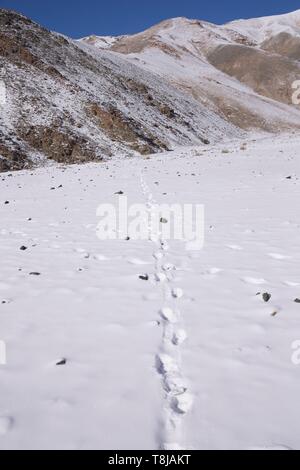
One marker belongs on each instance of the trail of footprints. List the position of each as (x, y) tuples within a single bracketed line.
[(178, 400)]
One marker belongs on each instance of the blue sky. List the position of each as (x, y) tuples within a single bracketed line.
[(78, 18)]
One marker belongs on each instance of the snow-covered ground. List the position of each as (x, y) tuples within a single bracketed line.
[(216, 371)]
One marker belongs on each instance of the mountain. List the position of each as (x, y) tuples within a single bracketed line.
[(70, 104), (242, 70), (182, 82)]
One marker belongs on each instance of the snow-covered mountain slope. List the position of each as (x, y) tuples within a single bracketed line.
[(261, 29), (232, 383), (224, 67), (69, 104)]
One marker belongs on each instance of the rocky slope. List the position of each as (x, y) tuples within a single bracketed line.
[(67, 103)]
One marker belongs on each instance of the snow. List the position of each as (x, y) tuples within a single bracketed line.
[(260, 29), (101, 42), (193, 358)]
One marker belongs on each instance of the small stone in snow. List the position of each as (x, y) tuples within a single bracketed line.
[(267, 297), (62, 362)]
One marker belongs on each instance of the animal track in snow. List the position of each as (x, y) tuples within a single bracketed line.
[(179, 337), (160, 277), (183, 403), (178, 401), (168, 315), (158, 255), (168, 267), (166, 364), (177, 293), (164, 246), (175, 384)]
